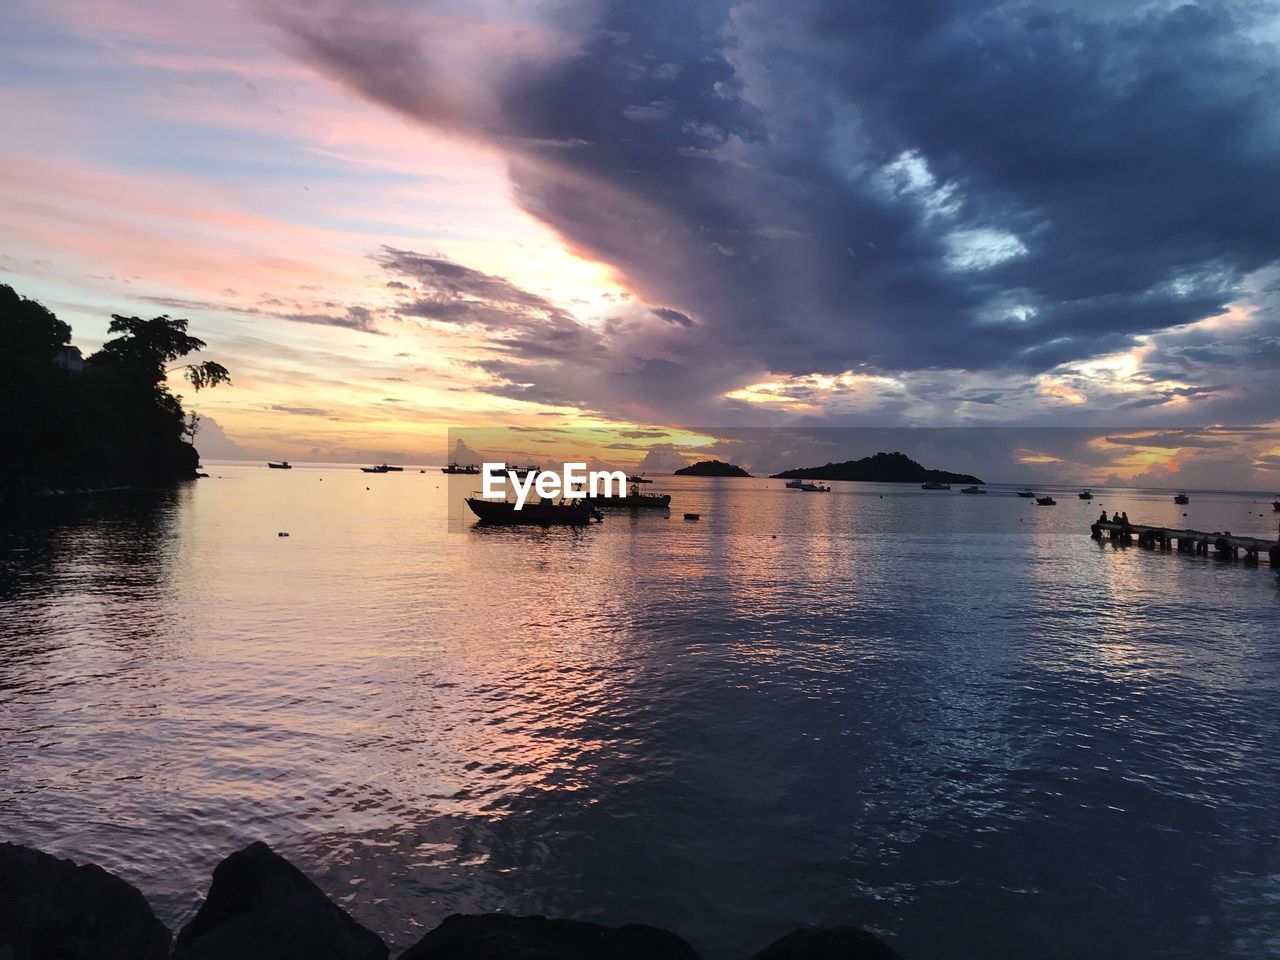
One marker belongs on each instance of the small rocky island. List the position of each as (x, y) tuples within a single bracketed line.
[(259, 906), (712, 468), (882, 468)]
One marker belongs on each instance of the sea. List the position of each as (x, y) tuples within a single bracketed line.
[(957, 721)]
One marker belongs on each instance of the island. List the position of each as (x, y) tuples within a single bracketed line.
[(881, 468), (75, 423), (712, 468)]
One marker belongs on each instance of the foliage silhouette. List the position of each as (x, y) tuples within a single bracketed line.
[(113, 422)]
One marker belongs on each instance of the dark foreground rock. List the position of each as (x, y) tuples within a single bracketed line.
[(496, 936), (52, 909), (828, 943), (262, 907)]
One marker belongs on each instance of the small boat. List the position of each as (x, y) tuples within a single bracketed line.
[(808, 486), (545, 513), (1275, 505), (455, 467), (638, 478), (282, 465), (382, 468), (1046, 501), (634, 500), (522, 472), (1026, 494), (1085, 494), (935, 485), (1182, 498), (972, 490), (692, 516)]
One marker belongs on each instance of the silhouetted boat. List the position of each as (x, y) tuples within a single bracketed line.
[(455, 467), (808, 486), (1085, 494), (972, 490), (1276, 506), (387, 469), (1182, 498), (545, 513), (382, 468), (522, 472), (282, 465), (935, 485), (638, 478), (1026, 494), (635, 500), (1046, 501)]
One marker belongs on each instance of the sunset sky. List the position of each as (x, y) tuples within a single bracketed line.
[(393, 218)]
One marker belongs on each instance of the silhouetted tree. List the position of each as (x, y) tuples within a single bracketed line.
[(115, 422)]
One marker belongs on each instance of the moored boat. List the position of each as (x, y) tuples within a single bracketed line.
[(972, 490), (522, 472), (935, 485), (455, 467), (634, 500), (1182, 498), (1046, 501), (281, 465), (381, 468), (638, 478), (1026, 494), (808, 486), (545, 513), (1085, 494)]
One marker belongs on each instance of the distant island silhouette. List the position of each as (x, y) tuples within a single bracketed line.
[(881, 468), (69, 422), (712, 468)]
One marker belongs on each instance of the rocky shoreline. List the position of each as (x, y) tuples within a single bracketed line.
[(261, 907)]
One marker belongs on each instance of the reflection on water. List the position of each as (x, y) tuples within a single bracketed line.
[(956, 720)]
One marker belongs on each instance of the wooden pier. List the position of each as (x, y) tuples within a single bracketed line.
[(1189, 541)]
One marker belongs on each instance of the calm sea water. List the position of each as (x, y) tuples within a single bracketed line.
[(954, 720)]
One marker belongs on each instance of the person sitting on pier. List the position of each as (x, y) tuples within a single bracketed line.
[(1103, 518), (1123, 520)]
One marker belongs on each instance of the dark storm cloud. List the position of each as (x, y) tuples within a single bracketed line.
[(998, 187)]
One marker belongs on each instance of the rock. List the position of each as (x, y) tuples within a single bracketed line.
[(262, 907), (497, 936), (52, 909), (828, 943)]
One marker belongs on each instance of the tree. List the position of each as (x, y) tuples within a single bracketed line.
[(148, 346), (29, 333)]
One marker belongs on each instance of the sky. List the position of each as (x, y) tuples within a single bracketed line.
[(391, 220)]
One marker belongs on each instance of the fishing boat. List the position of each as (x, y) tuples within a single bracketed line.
[(381, 468), (1085, 494), (1046, 501), (1182, 498), (455, 467), (935, 485), (634, 500), (545, 513), (282, 465), (1026, 494), (972, 490)]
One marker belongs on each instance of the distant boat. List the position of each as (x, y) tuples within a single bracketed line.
[(546, 513), (638, 478), (1085, 494), (282, 465), (1046, 501), (935, 485), (1026, 494), (808, 486), (455, 467), (1182, 498), (972, 490), (382, 468), (522, 472)]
